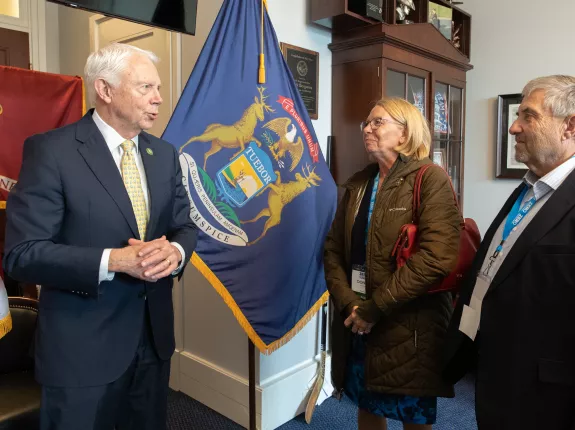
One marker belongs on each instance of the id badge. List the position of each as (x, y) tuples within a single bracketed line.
[(358, 280), (471, 316)]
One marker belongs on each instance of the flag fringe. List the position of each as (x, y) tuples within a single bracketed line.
[(5, 325), (2, 204), (242, 320)]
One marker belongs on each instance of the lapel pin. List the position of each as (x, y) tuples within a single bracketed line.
[(149, 151)]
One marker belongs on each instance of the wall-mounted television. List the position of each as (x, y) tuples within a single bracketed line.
[(175, 15)]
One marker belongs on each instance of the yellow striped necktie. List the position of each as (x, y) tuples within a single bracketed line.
[(133, 184)]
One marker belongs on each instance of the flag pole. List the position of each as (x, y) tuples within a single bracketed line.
[(252, 383), (251, 346), (318, 385)]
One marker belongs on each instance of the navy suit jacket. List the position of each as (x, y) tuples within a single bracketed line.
[(70, 204)]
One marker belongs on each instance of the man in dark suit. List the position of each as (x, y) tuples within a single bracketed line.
[(515, 318), (100, 219)]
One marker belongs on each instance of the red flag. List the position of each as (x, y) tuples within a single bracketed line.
[(30, 103)]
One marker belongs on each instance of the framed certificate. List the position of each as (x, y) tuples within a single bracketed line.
[(304, 66)]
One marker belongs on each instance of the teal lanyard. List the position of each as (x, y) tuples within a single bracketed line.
[(371, 204)]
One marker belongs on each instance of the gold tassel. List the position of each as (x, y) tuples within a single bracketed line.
[(2, 204), (262, 71), (243, 321), (5, 325)]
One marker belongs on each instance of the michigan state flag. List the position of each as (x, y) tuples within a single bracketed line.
[(260, 190)]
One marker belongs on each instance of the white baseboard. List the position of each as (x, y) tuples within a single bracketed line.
[(220, 390), (278, 399), (175, 371), (285, 396)]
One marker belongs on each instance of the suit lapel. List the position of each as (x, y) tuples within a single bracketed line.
[(562, 200), (100, 160), (153, 176)]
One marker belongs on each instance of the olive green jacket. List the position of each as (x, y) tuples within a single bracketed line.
[(404, 347)]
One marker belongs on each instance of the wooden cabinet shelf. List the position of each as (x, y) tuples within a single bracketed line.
[(337, 15)]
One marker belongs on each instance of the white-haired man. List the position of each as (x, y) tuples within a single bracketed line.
[(515, 317), (100, 219)]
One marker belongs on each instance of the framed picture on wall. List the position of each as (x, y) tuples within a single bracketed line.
[(506, 166)]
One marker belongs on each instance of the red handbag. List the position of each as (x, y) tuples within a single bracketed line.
[(408, 242)]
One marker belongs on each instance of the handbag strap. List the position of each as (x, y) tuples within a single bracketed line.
[(417, 191)]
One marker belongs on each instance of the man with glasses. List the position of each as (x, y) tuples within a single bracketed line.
[(515, 317)]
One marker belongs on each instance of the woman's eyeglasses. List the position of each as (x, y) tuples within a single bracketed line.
[(377, 122)]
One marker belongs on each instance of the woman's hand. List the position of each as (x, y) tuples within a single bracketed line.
[(359, 326)]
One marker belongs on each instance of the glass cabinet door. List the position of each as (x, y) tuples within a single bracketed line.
[(416, 92), (448, 131), (406, 82), (395, 84)]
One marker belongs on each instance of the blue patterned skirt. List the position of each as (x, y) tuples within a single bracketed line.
[(407, 409)]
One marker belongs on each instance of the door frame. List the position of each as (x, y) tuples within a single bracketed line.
[(175, 59), (33, 22)]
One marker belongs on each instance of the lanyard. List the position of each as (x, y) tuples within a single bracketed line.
[(371, 204), (516, 215), (514, 218)]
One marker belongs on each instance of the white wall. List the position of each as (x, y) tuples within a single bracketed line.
[(512, 41), (74, 27)]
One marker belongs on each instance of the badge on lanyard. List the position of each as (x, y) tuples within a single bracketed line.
[(358, 280), (471, 316)]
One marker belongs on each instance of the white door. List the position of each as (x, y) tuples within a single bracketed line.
[(105, 30)]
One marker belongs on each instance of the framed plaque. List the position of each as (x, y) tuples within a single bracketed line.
[(304, 66)]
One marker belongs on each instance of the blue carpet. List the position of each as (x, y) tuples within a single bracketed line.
[(453, 414)]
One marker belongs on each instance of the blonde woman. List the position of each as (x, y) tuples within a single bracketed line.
[(388, 331)]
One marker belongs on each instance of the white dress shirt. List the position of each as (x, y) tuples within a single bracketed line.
[(114, 142)]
